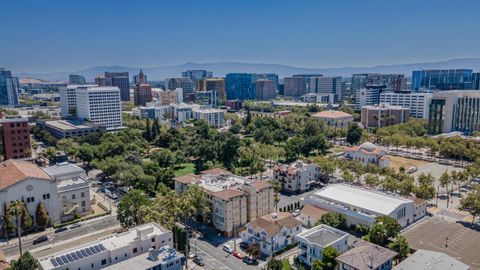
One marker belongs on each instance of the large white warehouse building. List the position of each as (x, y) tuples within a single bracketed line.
[(362, 206)]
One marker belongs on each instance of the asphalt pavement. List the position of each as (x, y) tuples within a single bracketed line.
[(11, 249)]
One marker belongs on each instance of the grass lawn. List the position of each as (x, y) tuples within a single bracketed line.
[(184, 169), (286, 265)]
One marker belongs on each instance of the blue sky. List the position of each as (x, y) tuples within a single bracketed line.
[(65, 35)]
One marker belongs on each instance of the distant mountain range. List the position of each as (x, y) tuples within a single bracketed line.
[(222, 68)]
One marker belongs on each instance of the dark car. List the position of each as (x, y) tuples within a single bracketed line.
[(243, 245), (199, 260), (250, 261), (61, 229), (40, 239)]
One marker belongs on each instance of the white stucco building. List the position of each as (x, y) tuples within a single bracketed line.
[(100, 105), (362, 206), (314, 240), (214, 117), (297, 176), (272, 232), (368, 153), (63, 189), (110, 250), (22, 180)]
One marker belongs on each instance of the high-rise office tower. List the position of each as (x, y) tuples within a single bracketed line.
[(118, 79), (142, 92), (100, 105), (368, 96), (196, 75), (240, 86), (269, 76), (442, 79), (213, 84), (307, 77), (294, 86), (100, 80), (455, 110), (68, 100), (76, 79), (476, 81), (140, 78), (265, 89), (326, 85), (392, 82), (185, 83), (9, 88), (358, 81)]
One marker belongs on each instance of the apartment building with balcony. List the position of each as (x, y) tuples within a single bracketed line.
[(297, 176), (234, 200)]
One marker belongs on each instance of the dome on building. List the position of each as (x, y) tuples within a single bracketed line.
[(368, 146)]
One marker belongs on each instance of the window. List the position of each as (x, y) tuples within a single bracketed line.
[(134, 250), (83, 194), (83, 203), (73, 196), (104, 261), (153, 239)]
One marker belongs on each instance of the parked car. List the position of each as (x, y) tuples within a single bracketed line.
[(199, 260), (191, 255), (412, 170), (76, 225), (238, 255), (250, 261), (40, 239), (296, 212), (243, 245), (228, 248), (61, 229)]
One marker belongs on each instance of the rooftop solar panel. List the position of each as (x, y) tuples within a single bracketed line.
[(79, 254), (59, 261), (54, 262), (75, 257)]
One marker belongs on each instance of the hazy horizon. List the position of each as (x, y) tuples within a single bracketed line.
[(54, 35)]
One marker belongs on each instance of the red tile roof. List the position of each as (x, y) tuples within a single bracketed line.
[(14, 171), (187, 179), (332, 114), (228, 194), (259, 185)]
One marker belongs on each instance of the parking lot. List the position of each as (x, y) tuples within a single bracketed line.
[(456, 239)]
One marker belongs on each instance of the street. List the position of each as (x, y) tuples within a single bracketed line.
[(87, 227)]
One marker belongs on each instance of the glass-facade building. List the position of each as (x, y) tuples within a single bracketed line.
[(240, 86), (9, 88), (442, 79)]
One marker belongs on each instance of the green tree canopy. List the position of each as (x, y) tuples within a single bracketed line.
[(129, 206)]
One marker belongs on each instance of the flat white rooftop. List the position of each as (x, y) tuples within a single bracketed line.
[(374, 201)]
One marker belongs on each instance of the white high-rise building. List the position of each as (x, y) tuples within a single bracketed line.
[(68, 99), (418, 103), (100, 105)]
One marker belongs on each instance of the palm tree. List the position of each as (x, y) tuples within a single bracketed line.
[(276, 196), (16, 211)]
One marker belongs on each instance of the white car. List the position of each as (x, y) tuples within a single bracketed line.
[(296, 212), (227, 248)]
